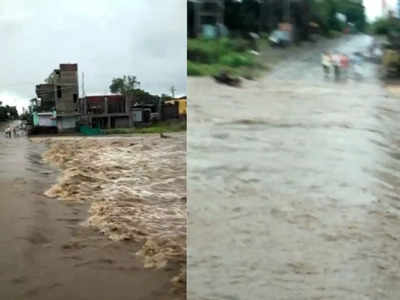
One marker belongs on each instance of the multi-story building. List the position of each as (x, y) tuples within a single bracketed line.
[(106, 111), (60, 95)]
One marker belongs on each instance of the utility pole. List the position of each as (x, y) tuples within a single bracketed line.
[(173, 91), (83, 84)]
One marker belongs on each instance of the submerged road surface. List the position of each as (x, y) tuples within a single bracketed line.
[(293, 185), (45, 253)]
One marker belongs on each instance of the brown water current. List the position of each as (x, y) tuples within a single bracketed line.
[(52, 249), (293, 185), (136, 188)]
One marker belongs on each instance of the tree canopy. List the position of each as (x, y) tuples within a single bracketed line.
[(324, 12), (124, 85), (8, 112), (263, 15), (128, 86)]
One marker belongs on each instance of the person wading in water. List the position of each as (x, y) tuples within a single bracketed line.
[(336, 65), (344, 64), (8, 132), (326, 63)]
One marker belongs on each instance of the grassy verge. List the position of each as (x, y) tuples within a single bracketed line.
[(159, 127), (210, 57)]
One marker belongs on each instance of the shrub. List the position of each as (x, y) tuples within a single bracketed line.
[(236, 60), (194, 69)]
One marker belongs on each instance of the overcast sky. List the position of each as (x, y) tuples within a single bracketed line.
[(107, 38), (374, 7)]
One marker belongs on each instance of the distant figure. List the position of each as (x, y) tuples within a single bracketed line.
[(326, 63), (14, 130), (8, 132), (336, 65), (372, 48), (344, 64), (356, 63)]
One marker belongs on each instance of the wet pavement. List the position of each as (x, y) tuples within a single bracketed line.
[(293, 185), (46, 253)]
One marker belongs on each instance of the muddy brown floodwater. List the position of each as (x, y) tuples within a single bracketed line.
[(50, 251), (294, 185)]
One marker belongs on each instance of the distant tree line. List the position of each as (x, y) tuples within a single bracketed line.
[(324, 13), (264, 15), (389, 26), (8, 112), (129, 86)]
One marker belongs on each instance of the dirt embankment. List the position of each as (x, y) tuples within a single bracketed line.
[(136, 187)]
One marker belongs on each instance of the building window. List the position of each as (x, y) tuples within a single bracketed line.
[(75, 98), (59, 93)]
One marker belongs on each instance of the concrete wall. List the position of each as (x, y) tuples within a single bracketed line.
[(66, 81), (66, 124), (47, 121), (121, 122)]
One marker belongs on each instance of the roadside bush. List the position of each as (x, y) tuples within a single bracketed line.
[(381, 26), (385, 26), (236, 60), (158, 127), (205, 51), (194, 69), (332, 34), (209, 57), (210, 51), (240, 45), (199, 69)]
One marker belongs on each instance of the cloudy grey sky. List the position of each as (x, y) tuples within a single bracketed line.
[(374, 7), (107, 38)]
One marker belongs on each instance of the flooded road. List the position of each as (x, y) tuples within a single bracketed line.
[(46, 253), (293, 185)]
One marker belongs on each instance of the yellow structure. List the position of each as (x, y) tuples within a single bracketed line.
[(182, 104), (182, 107)]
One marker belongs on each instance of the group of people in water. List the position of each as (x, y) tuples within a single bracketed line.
[(339, 64), (11, 132)]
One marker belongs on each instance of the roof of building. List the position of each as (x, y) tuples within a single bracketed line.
[(69, 67)]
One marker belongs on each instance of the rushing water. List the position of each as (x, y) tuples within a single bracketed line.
[(293, 186), (46, 254)]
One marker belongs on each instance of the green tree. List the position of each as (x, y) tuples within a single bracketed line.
[(124, 85), (8, 113), (324, 13), (127, 86)]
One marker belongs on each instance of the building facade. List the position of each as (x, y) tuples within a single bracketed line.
[(106, 111), (60, 94)]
